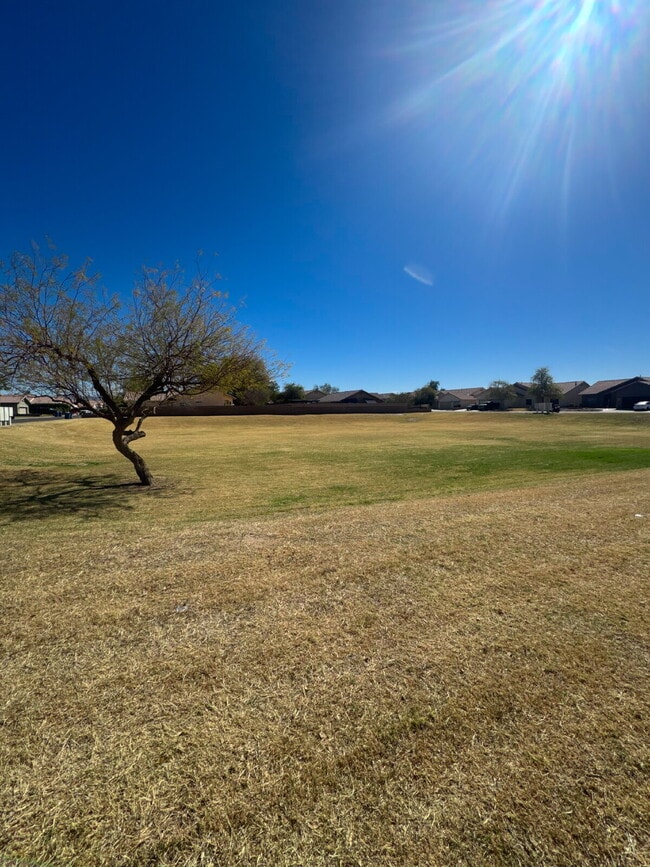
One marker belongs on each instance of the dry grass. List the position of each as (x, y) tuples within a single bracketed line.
[(211, 469), (457, 679)]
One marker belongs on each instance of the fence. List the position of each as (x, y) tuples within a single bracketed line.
[(6, 415), (290, 409)]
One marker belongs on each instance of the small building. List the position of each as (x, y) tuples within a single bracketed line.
[(616, 393), (16, 402), (459, 398)]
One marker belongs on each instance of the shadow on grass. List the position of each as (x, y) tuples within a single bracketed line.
[(32, 495)]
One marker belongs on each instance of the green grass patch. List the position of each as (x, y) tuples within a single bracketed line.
[(227, 468)]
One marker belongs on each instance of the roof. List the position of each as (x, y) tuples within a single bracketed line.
[(214, 396), (337, 396), (11, 398), (564, 387), (46, 400), (463, 393), (607, 384), (155, 398)]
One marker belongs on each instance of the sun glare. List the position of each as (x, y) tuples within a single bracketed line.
[(529, 91)]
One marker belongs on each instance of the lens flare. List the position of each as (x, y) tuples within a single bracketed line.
[(519, 93), (419, 273)]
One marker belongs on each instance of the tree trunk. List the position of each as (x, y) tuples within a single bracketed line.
[(121, 440)]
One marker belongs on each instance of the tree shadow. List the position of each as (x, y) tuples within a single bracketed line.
[(30, 495)]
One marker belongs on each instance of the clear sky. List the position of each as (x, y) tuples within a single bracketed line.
[(400, 191)]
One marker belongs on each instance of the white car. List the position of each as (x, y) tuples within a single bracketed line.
[(642, 406)]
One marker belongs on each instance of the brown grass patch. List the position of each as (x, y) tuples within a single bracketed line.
[(460, 680)]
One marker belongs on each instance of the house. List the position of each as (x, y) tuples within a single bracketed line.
[(569, 394), (314, 395), (521, 399), (43, 404), (616, 393), (459, 398), (17, 402), (358, 396), (186, 403)]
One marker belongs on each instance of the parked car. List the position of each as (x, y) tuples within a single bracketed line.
[(488, 405), (642, 406)]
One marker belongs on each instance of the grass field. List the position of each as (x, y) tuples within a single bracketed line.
[(408, 640)]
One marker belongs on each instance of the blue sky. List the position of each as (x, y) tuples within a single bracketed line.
[(398, 191)]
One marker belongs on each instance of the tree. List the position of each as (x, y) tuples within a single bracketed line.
[(500, 390), (326, 388), (291, 391), (175, 335), (400, 397), (256, 388), (428, 394), (543, 387)]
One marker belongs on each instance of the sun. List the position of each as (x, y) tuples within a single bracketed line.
[(529, 90)]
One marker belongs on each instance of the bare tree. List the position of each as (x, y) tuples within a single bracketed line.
[(61, 333)]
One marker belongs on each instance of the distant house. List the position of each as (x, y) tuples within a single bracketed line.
[(459, 398), (616, 393), (186, 403), (314, 395), (17, 402), (44, 404), (522, 398), (358, 396), (570, 394)]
